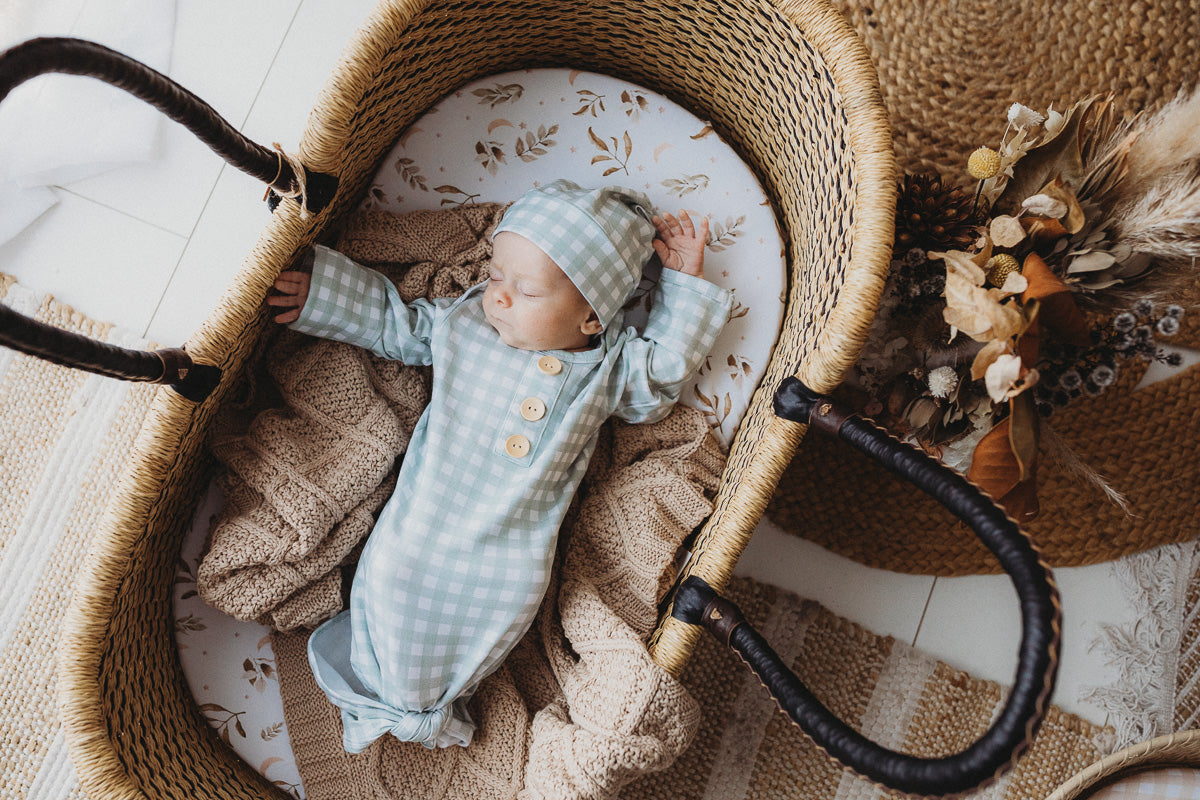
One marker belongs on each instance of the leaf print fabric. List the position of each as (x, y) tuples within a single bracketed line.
[(504, 134), (618, 152), (499, 93), (230, 667)]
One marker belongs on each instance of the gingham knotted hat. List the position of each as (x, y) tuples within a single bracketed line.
[(600, 238)]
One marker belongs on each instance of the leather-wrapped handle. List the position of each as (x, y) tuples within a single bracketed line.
[(1041, 618), (79, 57)]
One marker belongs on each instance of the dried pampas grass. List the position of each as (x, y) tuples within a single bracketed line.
[(1145, 177), (1065, 455), (1166, 140), (1164, 220)]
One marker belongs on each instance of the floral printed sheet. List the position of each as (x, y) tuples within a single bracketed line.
[(230, 667), (491, 141), (498, 137)]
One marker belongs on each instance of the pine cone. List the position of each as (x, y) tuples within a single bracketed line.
[(933, 215)]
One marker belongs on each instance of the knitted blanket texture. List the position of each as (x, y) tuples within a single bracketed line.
[(578, 710)]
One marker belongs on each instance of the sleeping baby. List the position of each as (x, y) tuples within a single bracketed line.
[(526, 368)]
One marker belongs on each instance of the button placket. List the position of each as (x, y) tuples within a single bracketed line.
[(538, 390)]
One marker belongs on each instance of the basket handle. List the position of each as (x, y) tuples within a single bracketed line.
[(1041, 615), (80, 57)]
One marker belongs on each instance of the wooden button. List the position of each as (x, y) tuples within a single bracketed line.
[(517, 446), (533, 409), (549, 365)]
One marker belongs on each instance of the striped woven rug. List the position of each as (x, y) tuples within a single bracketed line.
[(894, 694), (64, 435)]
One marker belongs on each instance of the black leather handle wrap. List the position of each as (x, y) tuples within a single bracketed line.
[(1011, 732), (170, 366), (78, 57)]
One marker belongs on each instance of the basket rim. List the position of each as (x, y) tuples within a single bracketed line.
[(1179, 749), (741, 499)]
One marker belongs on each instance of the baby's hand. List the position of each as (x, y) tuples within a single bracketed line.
[(293, 293), (679, 245)]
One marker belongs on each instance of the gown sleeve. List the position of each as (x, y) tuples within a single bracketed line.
[(350, 303), (686, 316)]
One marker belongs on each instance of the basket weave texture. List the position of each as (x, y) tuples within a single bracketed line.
[(789, 86), (1171, 750), (948, 71)]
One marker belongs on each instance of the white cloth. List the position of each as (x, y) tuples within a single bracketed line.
[(56, 129)]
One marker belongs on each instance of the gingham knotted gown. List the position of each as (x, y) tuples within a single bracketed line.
[(459, 558)]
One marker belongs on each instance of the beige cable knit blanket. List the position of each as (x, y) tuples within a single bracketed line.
[(579, 709), (312, 457)]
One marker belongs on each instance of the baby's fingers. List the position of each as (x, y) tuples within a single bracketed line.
[(288, 316), (291, 282), (661, 227), (285, 300), (685, 223), (660, 248)]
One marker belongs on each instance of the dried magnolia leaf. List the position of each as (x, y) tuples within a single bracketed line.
[(1040, 279), (1021, 502), (993, 466), (1023, 433), (1056, 304), (1029, 343), (1006, 231)]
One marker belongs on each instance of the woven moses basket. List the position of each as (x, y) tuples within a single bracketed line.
[(789, 86)]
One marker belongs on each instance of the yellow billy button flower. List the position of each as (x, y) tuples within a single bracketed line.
[(984, 163), (999, 267)]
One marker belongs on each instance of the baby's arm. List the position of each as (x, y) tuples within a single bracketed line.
[(686, 316), (347, 302), (679, 245)]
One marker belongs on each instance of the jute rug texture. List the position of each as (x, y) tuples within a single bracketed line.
[(894, 694), (64, 436)]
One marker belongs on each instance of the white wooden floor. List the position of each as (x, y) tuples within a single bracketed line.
[(151, 247)]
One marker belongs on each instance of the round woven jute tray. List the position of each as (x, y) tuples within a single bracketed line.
[(948, 72)]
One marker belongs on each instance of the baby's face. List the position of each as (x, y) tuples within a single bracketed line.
[(531, 303)]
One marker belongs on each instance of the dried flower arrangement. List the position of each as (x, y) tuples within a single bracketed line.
[(1007, 302)]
